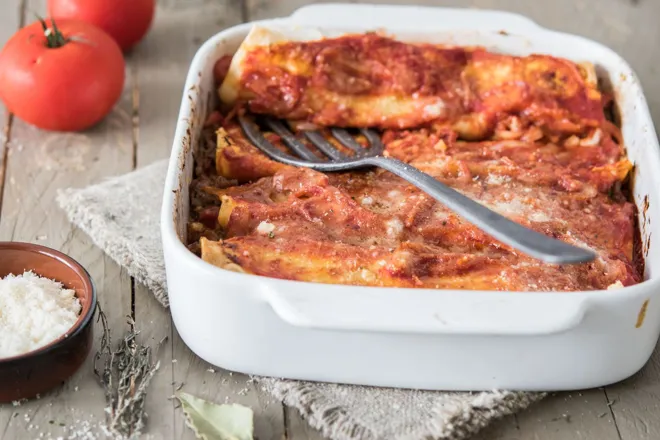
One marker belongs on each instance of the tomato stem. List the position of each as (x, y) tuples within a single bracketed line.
[(54, 37)]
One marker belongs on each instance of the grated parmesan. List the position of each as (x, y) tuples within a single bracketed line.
[(34, 311), (617, 285), (394, 227), (265, 228), (494, 179)]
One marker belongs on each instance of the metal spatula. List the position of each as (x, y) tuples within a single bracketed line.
[(511, 233)]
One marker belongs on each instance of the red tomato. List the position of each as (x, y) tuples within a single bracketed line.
[(127, 21), (66, 88)]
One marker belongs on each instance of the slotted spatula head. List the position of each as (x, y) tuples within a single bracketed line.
[(530, 242)]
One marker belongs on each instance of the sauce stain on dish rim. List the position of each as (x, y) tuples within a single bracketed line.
[(642, 314)]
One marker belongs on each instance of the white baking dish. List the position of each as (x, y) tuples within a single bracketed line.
[(431, 339)]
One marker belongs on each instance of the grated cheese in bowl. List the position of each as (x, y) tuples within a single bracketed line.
[(34, 311)]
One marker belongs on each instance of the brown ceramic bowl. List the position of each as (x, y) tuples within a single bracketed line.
[(29, 374)]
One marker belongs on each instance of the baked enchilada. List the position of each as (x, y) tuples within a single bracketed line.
[(531, 137)]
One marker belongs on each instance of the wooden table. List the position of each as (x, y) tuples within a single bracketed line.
[(35, 164)]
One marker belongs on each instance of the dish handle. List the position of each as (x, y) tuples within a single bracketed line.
[(330, 307), (400, 16)]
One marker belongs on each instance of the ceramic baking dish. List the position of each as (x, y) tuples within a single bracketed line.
[(429, 339)]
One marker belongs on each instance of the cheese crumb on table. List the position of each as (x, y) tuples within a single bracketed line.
[(34, 311)]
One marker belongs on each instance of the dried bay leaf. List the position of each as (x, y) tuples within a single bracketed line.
[(211, 421)]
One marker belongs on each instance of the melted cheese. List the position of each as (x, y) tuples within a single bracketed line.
[(525, 136), (371, 80)]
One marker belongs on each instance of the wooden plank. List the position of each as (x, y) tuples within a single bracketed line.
[(579, 415), (163, 61), (635, 403), (10, 22), (298, 429), (155, 325), (39, 163), (504, 429), (10, 19)]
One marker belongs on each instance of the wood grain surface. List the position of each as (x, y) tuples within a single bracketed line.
[(34, 164)]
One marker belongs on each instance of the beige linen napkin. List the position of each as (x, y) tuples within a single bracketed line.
[(121, 215)]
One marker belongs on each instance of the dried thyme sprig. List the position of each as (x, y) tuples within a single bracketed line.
[(125, 377)]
